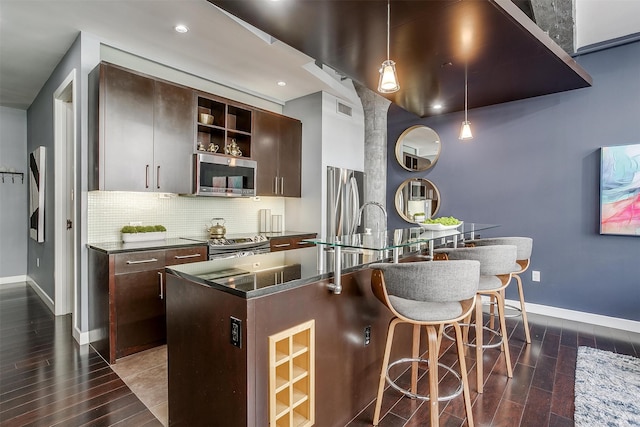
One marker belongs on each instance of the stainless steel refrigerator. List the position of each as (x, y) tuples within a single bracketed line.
[(345, 193)]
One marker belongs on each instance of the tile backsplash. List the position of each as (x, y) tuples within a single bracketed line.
[(183, 216)]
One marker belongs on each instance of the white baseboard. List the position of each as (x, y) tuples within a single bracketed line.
[(13, 279), (81, 338), (42, 294), (580, 316)]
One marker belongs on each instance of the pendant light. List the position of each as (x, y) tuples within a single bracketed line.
[(465, 129), (388, 82)]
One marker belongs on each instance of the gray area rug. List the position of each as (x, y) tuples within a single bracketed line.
[(607, 389)]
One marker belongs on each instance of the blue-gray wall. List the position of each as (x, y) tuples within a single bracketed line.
[(40, 132), (533, 167), (14, 224)]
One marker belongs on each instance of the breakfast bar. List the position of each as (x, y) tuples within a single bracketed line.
[(262, 340)]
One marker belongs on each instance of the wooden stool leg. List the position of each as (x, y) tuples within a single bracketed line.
[(492, 307), (433, 376), (523, 310), (383, 371), (415, 354), (463, 374), (503, 331), (479, 359)]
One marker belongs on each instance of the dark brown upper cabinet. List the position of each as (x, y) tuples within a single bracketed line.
[(141, 130), (277, 147)]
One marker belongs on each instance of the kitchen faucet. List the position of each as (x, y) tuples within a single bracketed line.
[(364, 205)]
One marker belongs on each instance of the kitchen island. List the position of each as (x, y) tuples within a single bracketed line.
[(262, 340)]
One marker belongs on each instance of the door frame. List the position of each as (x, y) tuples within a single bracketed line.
[(65, 139)]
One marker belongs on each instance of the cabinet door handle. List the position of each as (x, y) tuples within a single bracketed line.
[(161, 290), (282, 185), (143, 261), (187, 256), (158, 177), (282, 245), (276, 185), (146, 177)]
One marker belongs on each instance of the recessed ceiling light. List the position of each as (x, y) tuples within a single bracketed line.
[(282, 83), (181, 28)]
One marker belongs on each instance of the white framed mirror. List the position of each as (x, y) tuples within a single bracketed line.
[(416, 197), (418, 148)]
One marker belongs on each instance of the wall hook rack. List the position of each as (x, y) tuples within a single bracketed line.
[(13, 176)]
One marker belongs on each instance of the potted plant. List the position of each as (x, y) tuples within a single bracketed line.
[(141, 233)]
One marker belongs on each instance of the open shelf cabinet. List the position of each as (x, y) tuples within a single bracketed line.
[(220, 124), (292, 376)]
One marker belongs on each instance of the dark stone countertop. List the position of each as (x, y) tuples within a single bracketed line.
[(177, 242), (119, 247), (263, 274)]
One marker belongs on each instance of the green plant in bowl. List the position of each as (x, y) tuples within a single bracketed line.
[(444, 220), (127, 229)]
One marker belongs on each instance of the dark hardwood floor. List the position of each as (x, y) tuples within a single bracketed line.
[(47, 379), (540, 392)]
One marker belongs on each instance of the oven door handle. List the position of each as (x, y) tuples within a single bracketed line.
[(230, 256)]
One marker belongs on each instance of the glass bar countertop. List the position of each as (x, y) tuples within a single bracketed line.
[(403, 237)]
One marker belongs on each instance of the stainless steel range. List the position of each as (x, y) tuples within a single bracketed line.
[(238, 246)]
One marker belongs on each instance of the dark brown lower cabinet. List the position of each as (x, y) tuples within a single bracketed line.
[(290, 242), (127, 298), (140, 313)]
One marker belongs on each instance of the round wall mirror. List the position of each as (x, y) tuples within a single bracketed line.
[(418, 148), (417, 199)]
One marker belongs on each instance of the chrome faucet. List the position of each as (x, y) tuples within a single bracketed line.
[(379, 205)]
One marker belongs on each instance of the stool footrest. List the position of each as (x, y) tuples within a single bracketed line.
[(508, 307), (471, 325), (408, 393)]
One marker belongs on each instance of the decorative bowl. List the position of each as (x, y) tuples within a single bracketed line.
[(207, 119)]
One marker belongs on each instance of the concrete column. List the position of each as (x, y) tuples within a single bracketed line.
[(375, 154)]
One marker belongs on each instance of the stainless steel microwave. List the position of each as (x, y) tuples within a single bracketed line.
[(224, 176)]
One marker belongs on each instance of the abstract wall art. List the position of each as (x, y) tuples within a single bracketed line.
[(36, 194), (620, 190)]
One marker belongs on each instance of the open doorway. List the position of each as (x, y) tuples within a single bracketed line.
[(64, 120)]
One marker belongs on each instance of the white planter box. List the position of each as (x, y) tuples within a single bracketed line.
[(144, 237)]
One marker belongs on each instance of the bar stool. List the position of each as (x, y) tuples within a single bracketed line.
[(429, 294), (524, 246), (496, 266)]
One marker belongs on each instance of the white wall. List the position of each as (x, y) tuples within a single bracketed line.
[(329, 138), (128, 60), (599, 20), (14, 224)]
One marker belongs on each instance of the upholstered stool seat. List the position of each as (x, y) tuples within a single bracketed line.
[(426, 294)]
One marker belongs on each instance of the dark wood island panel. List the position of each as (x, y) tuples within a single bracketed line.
[(214, 383)]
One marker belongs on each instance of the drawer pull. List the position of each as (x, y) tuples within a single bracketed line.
[(143, 261), (282, 245), (304, 243), (187, 256)]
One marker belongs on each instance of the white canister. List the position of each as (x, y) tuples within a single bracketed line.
[(265, 220), (276, 223)]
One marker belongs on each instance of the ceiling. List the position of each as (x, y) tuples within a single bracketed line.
[(35, 35), (432, 42), (509, 57)]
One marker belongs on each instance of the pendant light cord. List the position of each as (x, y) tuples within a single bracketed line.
[(388, 24), (465, 92)]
